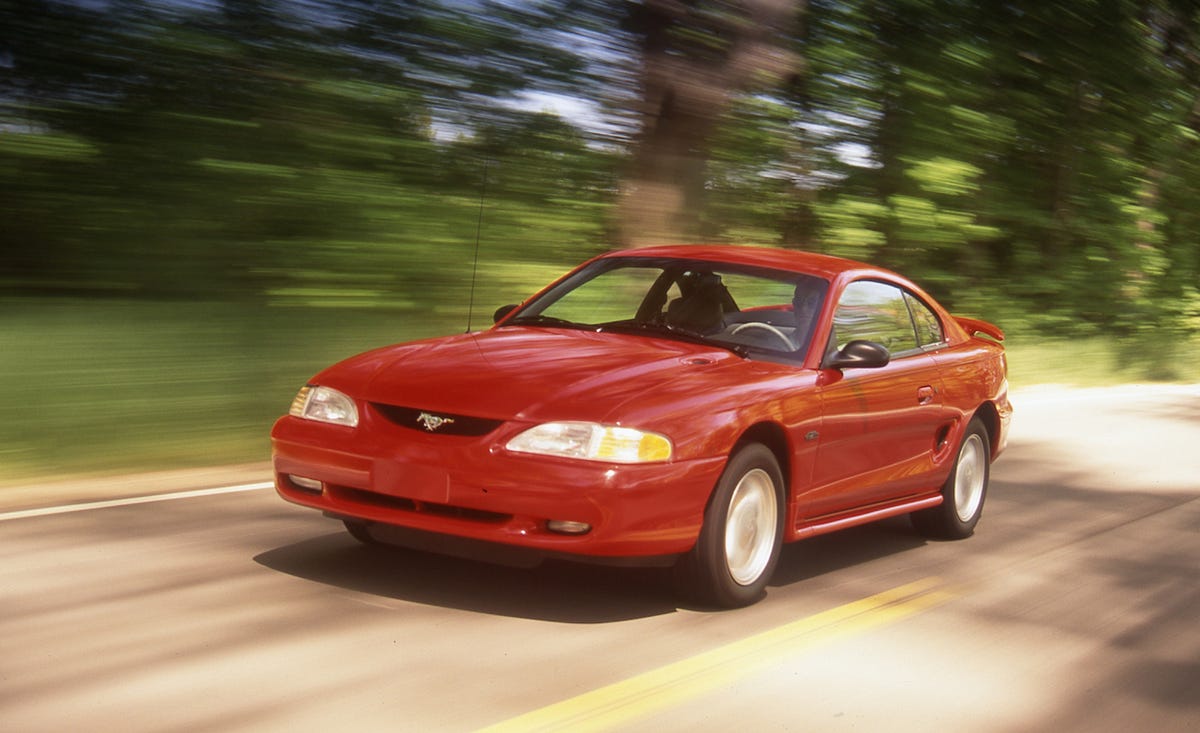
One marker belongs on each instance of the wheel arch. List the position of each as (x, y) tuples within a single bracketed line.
[(774, 437), (990, 417), (710, 572)]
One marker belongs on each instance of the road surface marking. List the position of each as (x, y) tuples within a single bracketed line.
[(611, 706), (88, 506)]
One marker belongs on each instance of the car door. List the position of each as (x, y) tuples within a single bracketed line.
[(880, 425)]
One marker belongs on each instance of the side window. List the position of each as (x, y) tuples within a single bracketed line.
[(874, 311), (929, 329)]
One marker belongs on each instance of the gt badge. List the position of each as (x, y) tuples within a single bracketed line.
[(433, 422)]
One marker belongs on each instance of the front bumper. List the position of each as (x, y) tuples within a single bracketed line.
[(470, 487)]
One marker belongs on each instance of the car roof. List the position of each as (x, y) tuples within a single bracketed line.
[(811, 263)]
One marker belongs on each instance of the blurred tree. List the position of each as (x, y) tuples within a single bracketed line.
[(1170, 225), (1032, 161), (333, 150), (1016, 143), (223, 150), (694, 57)]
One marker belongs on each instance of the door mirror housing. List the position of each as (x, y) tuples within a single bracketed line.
[(859, 354)]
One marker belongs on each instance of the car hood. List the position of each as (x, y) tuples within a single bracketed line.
[(527, 373)]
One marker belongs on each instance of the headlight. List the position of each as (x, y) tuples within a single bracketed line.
[(593, 442), (325, 405)]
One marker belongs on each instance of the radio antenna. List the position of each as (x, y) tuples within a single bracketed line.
[(478, 230)]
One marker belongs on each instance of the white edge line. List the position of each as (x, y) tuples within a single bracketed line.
[(88, 506)]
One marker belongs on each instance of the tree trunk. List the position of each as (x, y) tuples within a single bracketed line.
[(694, 59)]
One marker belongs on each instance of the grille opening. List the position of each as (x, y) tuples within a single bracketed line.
[(438, 423), (385, 501)]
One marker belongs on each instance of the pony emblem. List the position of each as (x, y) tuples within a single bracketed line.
[(433, 422)]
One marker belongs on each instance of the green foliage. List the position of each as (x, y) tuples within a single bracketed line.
[(105, 385), (1098, 361), (853, 225), (115, 384), (235, 152), (212, 175)]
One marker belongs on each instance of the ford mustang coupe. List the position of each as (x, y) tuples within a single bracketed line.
[(691, 406)]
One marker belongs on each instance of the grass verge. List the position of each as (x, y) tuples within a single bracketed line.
[(111, 386)]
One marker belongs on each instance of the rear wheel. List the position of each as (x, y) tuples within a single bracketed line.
[(964, 491), (740, 540)]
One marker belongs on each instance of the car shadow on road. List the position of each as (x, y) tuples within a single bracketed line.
[(554, 591), (826, 554), (558, 591)]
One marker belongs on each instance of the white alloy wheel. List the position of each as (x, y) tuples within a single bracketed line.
[(750, 527), (964, 492), (970, 477), (739, 544)]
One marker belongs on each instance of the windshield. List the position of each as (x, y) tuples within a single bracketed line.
[(742, 308)]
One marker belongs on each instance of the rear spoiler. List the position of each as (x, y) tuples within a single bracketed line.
[(973, 326)]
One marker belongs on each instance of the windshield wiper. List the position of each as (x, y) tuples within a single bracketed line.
[(541, 320), (660, 328)]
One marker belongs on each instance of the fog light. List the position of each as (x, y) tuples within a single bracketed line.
[(565, 526), (305, 483)]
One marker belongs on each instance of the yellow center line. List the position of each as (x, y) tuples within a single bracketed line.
[(639, 696)]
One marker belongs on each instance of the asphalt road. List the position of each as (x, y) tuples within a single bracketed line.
[(1075, 607)]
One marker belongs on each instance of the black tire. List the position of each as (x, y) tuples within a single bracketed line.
[(359, 531), (740, 540), (964, 492)]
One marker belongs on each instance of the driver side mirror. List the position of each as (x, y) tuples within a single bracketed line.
[(859, 354), (503, 311)]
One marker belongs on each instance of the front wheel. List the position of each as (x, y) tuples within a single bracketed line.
[(740, 539), (359, 531), (964, 491)]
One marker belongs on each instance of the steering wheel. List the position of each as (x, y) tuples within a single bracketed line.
[(766, 326)]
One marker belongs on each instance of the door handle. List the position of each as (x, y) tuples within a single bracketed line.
[(925, 395)]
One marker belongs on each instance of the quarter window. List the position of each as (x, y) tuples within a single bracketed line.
[(929, 328)]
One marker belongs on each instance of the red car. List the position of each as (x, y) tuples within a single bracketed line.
[(694, 406)]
